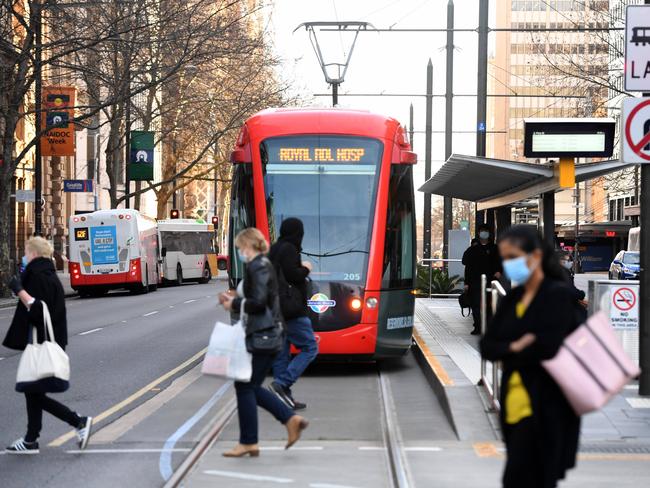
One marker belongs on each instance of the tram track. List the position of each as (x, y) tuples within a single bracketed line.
[(399, 475)]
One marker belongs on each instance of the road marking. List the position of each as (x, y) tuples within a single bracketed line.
[(117, 429), (124, 321), (434, 364), (165, 462), (91, 331), (189, 301), (372, 448), (171, 306), (613, 457), (638, 402), (246, 476), (127, 401), (124, 451), (150, 313), (329, 485), (299, 448), (422, 449), (1, 359)]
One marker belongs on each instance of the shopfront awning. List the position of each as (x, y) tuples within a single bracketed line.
[(495, 183)]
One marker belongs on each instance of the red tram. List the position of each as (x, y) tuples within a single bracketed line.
[(348, 175)]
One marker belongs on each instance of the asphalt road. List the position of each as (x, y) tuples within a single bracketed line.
[(118, 344)]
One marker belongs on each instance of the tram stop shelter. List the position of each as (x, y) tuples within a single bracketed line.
[(496, 186)]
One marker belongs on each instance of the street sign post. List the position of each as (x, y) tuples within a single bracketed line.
[(78, 186), (637, 48), (635, 137)]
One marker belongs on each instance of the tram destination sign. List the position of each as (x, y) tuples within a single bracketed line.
[(568, 138), (323, 149)]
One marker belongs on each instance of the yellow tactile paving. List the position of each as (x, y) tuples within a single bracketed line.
[(435, 365)]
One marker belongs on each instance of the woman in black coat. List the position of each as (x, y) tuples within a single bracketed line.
[(259, 293), (540, 429), (39, 284)]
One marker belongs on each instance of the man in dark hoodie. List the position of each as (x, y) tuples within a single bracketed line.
[(292, 278)]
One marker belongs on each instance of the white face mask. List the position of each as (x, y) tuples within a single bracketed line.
[(567, 264)]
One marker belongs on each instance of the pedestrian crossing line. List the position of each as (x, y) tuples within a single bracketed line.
[(247, 476), (150, 313), (59, 441), (124, 451), (91, 331)]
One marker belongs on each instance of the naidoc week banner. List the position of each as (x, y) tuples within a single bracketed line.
[(141, 156), (58, 105)]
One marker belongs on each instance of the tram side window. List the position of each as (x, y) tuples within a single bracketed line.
[(399, 249), (242, 212)]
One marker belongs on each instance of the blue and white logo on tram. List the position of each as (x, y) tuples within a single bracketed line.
[(320, 303)]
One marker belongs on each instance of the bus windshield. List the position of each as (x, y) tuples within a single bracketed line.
[(328, 182)]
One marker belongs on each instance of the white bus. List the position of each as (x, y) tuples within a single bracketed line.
[(113, 249), (188, 250)]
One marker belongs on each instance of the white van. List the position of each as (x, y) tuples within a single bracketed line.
[(112, 249)]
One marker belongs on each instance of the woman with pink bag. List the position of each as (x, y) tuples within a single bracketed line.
[(540, 428)]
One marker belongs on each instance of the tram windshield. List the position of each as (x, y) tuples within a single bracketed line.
[(328, 182)]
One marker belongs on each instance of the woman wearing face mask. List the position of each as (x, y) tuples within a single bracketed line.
[(540, 429), (259, 292), (39, 284)]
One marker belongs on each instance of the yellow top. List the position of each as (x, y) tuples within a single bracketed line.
[(518, 405)]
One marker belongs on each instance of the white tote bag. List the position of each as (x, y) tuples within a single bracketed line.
[(227, 356), (45, 367)]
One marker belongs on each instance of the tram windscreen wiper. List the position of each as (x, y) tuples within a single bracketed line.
[(330, 254)]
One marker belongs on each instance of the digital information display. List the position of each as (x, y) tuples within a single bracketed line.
[(322, 154), (567, 143), (573, 138), (322, 149), (81, 234)]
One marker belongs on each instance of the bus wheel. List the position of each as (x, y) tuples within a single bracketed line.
[(179, 275), (207, 275)]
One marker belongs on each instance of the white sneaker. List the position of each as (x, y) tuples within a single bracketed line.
[(21, 447), (84, 431)]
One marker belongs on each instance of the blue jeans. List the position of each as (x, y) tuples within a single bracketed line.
[(299, 333), (251, 394)]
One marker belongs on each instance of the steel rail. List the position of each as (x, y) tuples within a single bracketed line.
[(397, 464)]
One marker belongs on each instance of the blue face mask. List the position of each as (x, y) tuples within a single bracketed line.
[(242, 257), (517, 270), (23, 262), (484, 235)]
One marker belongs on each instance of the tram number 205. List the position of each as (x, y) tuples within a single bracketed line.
[(351, 276)]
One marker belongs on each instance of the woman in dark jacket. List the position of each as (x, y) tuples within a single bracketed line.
[(39, 284), (541, 430), (259, 293)]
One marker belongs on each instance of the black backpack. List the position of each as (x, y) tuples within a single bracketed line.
[(464, 302)]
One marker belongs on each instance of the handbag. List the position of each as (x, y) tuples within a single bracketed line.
[(591, 366), (463, 301), (292, 303), (264, 339), (45, 367), (227, 356)]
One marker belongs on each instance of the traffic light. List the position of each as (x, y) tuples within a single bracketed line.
[(174, 214), (215, 222)]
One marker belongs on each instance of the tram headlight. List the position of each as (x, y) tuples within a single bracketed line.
[(355, 304), (372, 302)]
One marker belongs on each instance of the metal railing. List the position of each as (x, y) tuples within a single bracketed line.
[(491, 380), (438, 260)]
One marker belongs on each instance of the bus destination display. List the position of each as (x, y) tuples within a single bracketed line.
[(326, 150)]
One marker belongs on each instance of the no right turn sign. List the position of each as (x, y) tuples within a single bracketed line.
[(635, 130)]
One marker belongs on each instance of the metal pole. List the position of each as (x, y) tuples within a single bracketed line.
[(127, 138), (38, 94), (644, 281), (426, 246), (335, 94), (481, 88), (577, 230), (447, 211)]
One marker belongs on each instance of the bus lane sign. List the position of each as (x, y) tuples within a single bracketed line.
[(637, 48), (624, 308)]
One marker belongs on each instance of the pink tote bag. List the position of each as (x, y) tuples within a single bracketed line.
[(591, 366)]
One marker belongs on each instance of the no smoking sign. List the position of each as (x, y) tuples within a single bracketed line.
[(636, 130), (624, 307)]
